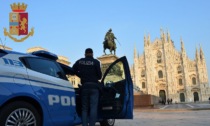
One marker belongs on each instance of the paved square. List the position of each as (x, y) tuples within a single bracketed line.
[(168, 118)]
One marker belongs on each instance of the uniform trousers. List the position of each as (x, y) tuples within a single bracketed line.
[(89, 104)]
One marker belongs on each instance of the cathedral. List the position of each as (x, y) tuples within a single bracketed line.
[(164, 72)]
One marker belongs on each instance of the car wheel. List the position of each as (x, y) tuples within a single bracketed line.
[(107, 122), (19, 114)]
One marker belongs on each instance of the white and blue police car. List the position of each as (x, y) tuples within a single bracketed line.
[(35, 91)]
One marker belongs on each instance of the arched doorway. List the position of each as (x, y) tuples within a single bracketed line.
[(182, 97), (196, 97), (162, 95)]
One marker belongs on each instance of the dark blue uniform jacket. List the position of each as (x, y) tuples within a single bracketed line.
[(88, 69)]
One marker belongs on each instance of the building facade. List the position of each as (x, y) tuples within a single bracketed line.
[(167, 73), (5, 47)]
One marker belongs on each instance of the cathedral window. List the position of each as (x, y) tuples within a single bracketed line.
[(179, 69), (180, 82), (143, 85), (194, 81), (160, 74), (143, 73), (159, 57)]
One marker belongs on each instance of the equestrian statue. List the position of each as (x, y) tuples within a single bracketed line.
[(109, 42)]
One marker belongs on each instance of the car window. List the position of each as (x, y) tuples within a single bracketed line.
[(45, 66), (115, 74)]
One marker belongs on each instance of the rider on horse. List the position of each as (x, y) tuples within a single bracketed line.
[(110, 37), (109, 42)]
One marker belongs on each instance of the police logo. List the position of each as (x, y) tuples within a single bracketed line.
[(18, 23)]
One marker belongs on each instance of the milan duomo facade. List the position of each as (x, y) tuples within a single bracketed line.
[(167, 73)]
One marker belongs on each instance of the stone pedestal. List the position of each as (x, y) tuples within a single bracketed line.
[(106, 60)]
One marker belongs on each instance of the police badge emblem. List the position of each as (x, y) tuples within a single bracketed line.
[(18, 22)]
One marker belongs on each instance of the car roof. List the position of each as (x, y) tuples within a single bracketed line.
[(11, 52), (40, 53)]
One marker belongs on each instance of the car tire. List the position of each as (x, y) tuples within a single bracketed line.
[(107, 122), (20, 113)]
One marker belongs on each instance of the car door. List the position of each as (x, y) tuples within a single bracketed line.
[(116, 101), (53, 88)]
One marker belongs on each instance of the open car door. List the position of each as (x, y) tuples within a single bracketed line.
[(116, 101)]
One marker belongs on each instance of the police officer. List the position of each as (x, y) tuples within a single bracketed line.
[(89, 71)]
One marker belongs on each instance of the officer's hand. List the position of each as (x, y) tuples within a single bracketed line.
[(80, 85)]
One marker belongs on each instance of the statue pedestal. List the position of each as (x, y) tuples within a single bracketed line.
[(106, 60)]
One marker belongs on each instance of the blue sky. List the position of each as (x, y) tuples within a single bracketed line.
[(68, 27)]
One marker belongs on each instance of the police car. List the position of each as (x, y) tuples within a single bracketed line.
[(35, 91)]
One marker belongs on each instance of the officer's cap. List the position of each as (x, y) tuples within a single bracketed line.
[(88, 50)]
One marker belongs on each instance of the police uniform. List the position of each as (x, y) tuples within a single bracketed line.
[(89, 71)]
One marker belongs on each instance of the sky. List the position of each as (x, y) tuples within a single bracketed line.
[(68, 27)]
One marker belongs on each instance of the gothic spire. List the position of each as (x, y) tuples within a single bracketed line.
[(148, 39), (135, 52), (163, 36), (161, 33), (182, 45), (201, 53), (168, 37), (197, 55), (145, 40)]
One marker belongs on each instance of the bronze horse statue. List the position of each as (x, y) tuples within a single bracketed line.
[(109, 45)]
